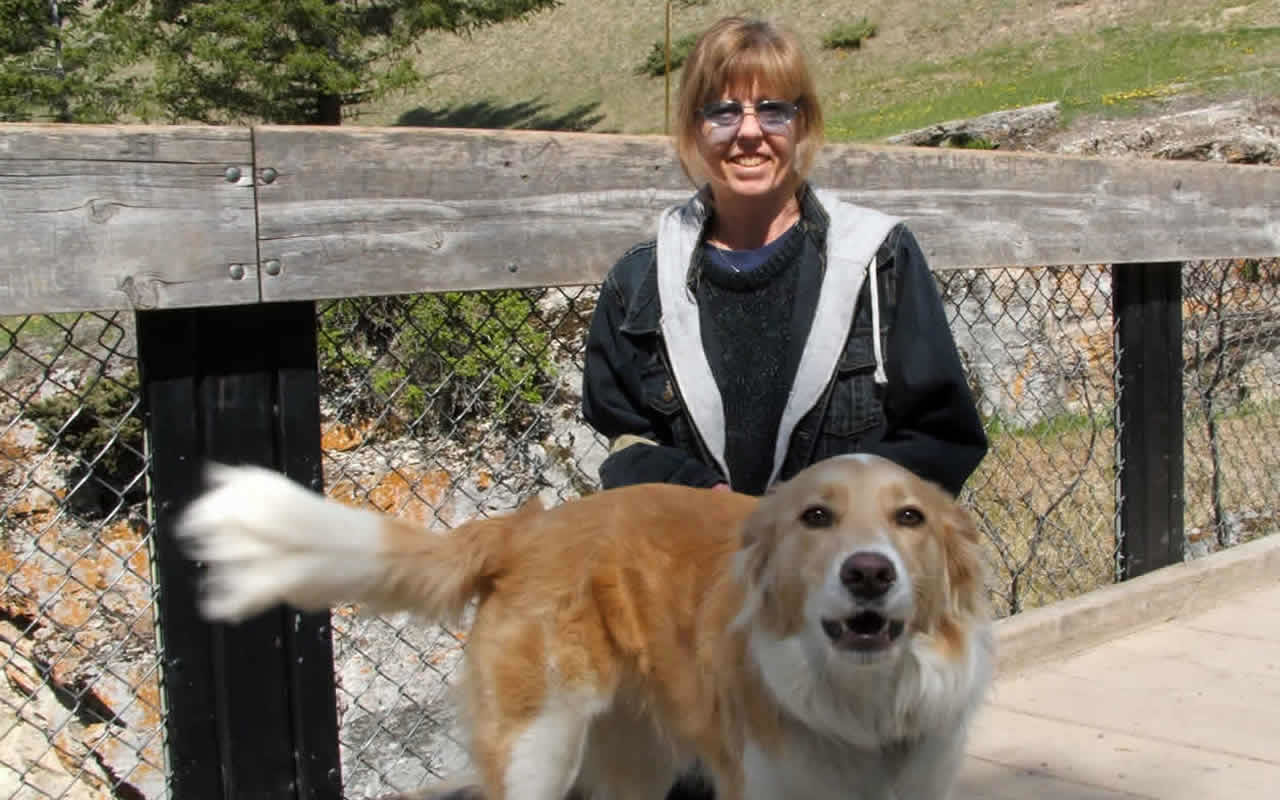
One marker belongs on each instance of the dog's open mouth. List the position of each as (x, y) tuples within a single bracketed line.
[(866, 631)]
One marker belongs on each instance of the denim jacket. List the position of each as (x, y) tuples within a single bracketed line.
[(901, 394)]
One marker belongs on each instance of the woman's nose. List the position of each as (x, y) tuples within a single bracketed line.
[(750, 125)]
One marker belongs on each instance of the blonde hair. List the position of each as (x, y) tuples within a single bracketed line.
[(737, 52)]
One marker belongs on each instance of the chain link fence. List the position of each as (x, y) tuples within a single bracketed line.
[(1231, 346), (80, 708), (446, 406)]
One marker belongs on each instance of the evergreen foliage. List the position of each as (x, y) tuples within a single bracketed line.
[(655, 64), (850, 36), (60, 63), (215, 61)]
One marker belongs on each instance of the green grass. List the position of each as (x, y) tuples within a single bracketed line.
[(1265, 409), (928, 62), (41, 328), (1049, 427), (1111, 71)]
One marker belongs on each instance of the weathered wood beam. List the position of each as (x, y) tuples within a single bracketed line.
[(127, 217), (105, 217)]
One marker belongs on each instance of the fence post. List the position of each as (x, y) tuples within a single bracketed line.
[(1147, 312), (250, 708)]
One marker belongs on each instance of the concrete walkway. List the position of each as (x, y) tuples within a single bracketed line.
[(1186, 706)]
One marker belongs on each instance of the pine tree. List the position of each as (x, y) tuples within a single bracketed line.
[(220, 61), (54, 66), (297, 61)]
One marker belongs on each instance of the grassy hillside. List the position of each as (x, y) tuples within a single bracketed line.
[(932, 60)]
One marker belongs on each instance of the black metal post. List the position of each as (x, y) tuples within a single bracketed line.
[(1147, 302), (251, 709)]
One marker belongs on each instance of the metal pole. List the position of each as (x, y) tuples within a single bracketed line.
[(666, 72)]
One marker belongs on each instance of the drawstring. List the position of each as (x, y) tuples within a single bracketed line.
[(875, 323)]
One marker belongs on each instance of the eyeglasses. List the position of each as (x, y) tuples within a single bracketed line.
[(774, 116)]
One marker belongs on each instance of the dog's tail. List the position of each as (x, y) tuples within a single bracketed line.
[(267, 540)]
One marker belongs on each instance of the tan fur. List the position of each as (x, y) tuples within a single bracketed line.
[(628, 598)]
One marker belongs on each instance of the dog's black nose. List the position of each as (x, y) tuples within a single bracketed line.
[(868, 575)]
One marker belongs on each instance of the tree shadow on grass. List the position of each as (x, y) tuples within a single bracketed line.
[(524, 115)]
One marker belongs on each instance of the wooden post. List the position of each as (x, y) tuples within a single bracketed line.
[(251, 709), (1149, 429)]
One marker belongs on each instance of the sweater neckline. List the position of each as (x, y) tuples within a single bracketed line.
[(721, 266)]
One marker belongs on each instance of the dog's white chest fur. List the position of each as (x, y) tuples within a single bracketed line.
[(858, 735), (797, 773)]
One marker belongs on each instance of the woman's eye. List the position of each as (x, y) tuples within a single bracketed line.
[(817, 517)]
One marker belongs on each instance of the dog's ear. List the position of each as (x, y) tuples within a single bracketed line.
[(761, 523), (962, 523), (755, 535), (961, 544), (751, 563)]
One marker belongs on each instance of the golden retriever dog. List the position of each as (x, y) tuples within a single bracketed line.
[(828, 640)]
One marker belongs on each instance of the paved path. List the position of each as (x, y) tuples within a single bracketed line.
[(1188, 708)]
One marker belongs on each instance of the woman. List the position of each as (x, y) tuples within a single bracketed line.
[(769, 325), (741, 344)]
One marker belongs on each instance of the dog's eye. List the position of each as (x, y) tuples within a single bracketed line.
[(817, 517), (909, 517)]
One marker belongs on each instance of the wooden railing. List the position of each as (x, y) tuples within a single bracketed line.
[(219, 239), (159, 218)]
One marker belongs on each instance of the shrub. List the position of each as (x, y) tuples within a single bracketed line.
[(849, 36), (968, 141), (656, 64), (437, 361), (102, 428)]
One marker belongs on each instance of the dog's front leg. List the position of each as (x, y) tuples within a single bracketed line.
[(730, 782)]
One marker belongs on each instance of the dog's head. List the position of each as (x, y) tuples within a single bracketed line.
[(854, 556)]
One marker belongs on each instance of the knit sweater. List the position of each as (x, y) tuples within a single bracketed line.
[(753, 327)]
